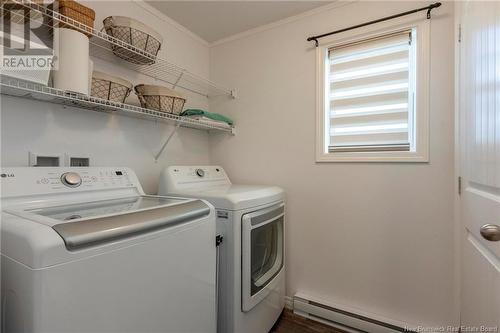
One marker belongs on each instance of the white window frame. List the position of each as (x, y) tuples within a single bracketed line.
[(420, 149)]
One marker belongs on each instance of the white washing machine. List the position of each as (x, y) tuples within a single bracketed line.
[(85, 250), (251, 264)]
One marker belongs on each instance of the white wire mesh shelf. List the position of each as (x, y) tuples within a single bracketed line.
[(101, 45), (25, 89)]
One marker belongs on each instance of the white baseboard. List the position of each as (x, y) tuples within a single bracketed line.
[(289, 302)]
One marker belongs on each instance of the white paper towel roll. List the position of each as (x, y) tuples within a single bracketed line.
[(72, 52)]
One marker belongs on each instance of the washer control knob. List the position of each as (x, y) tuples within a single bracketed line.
[(200, 172), (71, 179)]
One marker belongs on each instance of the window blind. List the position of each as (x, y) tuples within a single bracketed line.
[(371, 94)]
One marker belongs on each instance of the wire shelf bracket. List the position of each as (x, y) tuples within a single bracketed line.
[(170, 136)]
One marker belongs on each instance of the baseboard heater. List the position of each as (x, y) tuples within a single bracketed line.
[(334, 316)]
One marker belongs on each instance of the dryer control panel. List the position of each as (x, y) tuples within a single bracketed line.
[(41, 180), (185, 177)]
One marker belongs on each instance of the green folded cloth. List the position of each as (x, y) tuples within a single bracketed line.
[(210, 115)]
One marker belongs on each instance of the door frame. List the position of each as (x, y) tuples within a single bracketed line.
[(458, 142)]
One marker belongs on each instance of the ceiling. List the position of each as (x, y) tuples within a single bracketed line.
[(215, 20)]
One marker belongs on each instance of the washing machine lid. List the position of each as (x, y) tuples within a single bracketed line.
[(92, 223), (234, 197), (87, 210)]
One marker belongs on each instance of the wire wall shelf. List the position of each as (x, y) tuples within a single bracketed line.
[(102, 46), (25, 89)]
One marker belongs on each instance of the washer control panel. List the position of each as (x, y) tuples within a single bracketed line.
[(44, 180)]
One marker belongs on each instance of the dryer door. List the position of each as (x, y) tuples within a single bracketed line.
[(262, 253)]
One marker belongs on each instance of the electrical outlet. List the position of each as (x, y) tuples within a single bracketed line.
[(45, 159), (77, 160)]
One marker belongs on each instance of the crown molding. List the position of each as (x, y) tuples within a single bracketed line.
[(330, 6), (275, 24)]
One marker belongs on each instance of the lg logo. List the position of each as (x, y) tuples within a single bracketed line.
[(7, 175)]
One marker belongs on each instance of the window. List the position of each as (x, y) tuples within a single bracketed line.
[(374, 100)]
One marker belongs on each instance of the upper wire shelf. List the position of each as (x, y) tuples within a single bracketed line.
[(101, 45)]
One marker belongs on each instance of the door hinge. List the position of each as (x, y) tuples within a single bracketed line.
[(218, 240), (459, 185), (459, 33)]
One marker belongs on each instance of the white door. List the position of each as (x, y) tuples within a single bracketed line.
[(479, 133)]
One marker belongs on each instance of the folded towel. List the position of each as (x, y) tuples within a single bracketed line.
[(210, 121), (211, 115)]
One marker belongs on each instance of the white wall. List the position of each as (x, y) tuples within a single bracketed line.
[(111, 139), (378, 237)]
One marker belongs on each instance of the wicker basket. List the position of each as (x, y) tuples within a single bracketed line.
[(79, 13), (160, 98), (136, 34), (110, 87)]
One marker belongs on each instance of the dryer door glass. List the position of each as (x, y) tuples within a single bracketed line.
[(266, 253), (262, 253)]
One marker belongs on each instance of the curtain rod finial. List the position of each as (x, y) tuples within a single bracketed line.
[(310, 39), (431, 7)]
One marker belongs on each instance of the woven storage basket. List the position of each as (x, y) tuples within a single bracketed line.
[(136, 34), (110, 87), (79, 13), (160, 98)]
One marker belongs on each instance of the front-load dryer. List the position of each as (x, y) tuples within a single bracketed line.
[(251, 221)]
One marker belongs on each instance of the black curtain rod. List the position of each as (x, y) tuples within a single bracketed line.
[(428, 8)]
